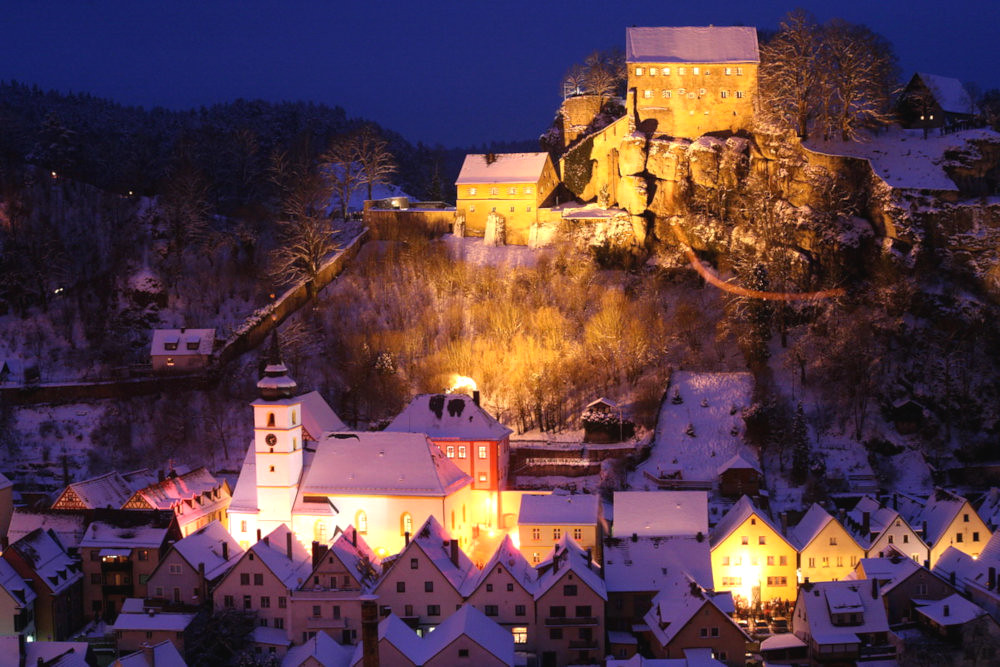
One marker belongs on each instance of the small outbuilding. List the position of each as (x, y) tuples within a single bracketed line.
[(181, 350)]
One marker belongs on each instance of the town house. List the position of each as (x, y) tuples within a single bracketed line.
[(57, 580), (842, 621), (827, 552), (879, 529), (194, 565), (900, 582), (947, 519), (543, 520), (504, 591)]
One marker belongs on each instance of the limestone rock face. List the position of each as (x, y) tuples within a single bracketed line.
[(704, 156), (668, 199), (633, 195), (667, 159), (632, 155)]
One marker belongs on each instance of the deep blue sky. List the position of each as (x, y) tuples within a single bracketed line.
[(457, 73)]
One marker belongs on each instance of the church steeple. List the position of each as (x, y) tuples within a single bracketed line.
[(275, 383)]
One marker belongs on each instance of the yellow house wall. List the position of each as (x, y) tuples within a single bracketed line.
[(968, 530), (534, 550), (695, 112), (733, 548), (477, 206), (842, 557)]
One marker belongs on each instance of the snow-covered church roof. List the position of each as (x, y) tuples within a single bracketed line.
[(692, 44)]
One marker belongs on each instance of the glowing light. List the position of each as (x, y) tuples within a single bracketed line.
[(515, 538), (461, 382), (380, 552), (54, 175)]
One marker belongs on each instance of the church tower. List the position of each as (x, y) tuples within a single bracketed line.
[(277, 423)]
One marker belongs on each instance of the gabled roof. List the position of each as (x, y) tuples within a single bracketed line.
[(692, 44), (888, 571), (175, 489), (357, 557), (822, 599), (245, 494), (205, 546), (152, 619), (734, 518), (741, 460), (16, 587), (949, 93), (55, 569), (939, 511), (660, 513), (678, 601), (565, 556), (475, 625), (952, 610), (164, 654), (970, 572), (322, 650), (107, 535), (366, 463), (183, 339), (68, 526), (107, 490), (989, 508), (648, 562), (436, 544), (51, 654), (506, 168), (393, 630), (318, 418), (559, 510), (446, 416), (880, 518), (272, 550), (511, 559), (809, 527), (601, 401)]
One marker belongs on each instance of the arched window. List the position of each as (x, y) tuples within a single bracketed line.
[(406, 523), (294, 417), (361, 521), (270, 419), (319, 531)]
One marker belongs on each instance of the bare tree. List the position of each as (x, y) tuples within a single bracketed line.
[(789, 76), (372, 155), (575, 80), (341, 170), (605, 72)]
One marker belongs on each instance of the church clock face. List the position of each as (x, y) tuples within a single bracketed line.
[(271, 439)]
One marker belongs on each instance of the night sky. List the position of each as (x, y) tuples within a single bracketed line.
[(455, 73)]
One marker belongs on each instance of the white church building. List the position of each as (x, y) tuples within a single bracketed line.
[(314, 480)]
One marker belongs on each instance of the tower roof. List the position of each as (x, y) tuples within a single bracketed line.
[(275, 383)]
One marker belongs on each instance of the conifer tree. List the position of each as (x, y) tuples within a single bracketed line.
[(800, 447)]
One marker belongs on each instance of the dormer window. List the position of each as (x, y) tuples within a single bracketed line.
[(192, 345), (170, 346)]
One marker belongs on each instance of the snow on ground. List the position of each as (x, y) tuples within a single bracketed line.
[(711, 409), (476, 252), (903, 158), (584, 483)]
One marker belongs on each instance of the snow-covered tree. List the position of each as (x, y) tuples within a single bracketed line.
[(790, 78), (371, 152), (800, 447), (342, 170)]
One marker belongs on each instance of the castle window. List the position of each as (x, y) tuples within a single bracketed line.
[(512, 191), (701, 91), (739, 71), (647, 94), (696, 71), (724, 94), (472, 209), (361, 521), (406, 523), (493, 191), (638, 71), (666, 94), (665, 71), (472, 191), (681, 71), (652, 71), (511, 209), (739, 94), (450, 451), (270, 419), (528, 209)]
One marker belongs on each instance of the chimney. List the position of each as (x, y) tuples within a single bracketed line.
[(874, 589), (317, 556), (991, 581), (267, 540), (475, 397), (635, 537), (590, 558), (947, 610), (369, 633), (354, 537), (842, 515), (454, 552), (866, 524), (784, 522), (406, 538), (258, 534), (288, 544), (225, 551)]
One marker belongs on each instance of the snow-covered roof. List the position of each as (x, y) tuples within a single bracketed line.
[(54, 568), (175, 489), (822, 599), (51, 654), (565, 556), (602, 401), (101, 534), (784, 640), (989, 508), (319, 650), (511, 559), (393, 630), (742, 510), (69, 527), (446, 416), (952, 610), (180, 342), (269, 636), (205, 546), (475, 625), (741, 460), (272, 550), (692, 44), (164, 654), (366, 463), (646, 563), (559, 510), (109, 490), (888, 571), (436, 544), (949, 93), (16, 587), (318, 418), (245, 494), (506, 168), (969, 572), (151, 619), (4, 482), (939, 511), (356, 556), (880, 518), (710, 408), (679, 600), (660, 513), (810, 526)]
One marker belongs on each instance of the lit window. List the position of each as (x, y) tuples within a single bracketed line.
[(361, 521), (461, 451), (520, 634), (701, 91), (535, 558), (472, 209), (527, 190), (170, 361), (482, 477), (472, 191), (578, 533), (482, 451), (407, 522), (556, 533), (665, 71), (739, 94), (696, 71), (512, 191), (666, 94), (536, 533), (739, 71), (724, 94), (647, 94), (681, 92), (450, 450), (681, 71), (729, 70), (638, 71), (652, 71), (493, 191)]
